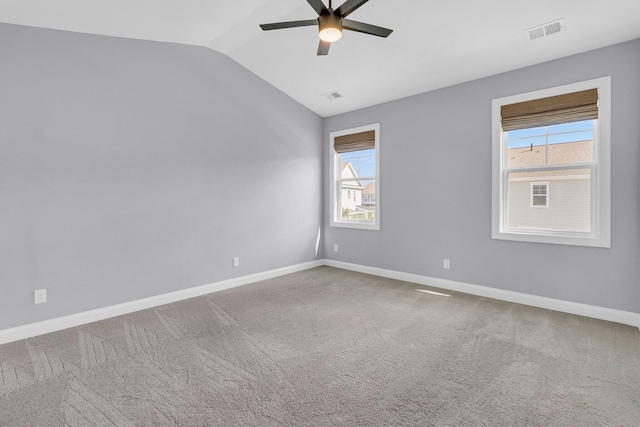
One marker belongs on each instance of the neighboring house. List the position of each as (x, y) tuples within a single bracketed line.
[(369, 194), (550, 200), (351, 191), (357, 201)]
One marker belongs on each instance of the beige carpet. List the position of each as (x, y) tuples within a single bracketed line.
[(327, 347)]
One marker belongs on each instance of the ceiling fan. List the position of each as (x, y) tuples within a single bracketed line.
[(331, 23)]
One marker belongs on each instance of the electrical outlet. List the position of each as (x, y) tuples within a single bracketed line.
[(39, 296), (446, 264), (236, 261), (335, 247)]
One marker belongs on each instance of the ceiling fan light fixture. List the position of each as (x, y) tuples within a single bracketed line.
[(330, 34), (330, 28)]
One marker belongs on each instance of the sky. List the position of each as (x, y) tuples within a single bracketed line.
[(364, 162), (567, 132)]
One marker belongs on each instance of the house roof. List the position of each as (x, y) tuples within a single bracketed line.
[(559, 154), (347, 166), (366, 208), (370, 188), (491, 36)]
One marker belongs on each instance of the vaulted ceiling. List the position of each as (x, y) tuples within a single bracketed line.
[(434, 43)]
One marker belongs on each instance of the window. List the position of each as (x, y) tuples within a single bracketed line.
[(539, 195), (560, 138), (355, 177)]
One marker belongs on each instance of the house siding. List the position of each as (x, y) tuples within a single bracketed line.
[(569, 206)]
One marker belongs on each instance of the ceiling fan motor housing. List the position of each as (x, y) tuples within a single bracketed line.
[(330, 26)]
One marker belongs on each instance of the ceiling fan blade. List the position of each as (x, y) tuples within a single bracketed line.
[(349, 6), (323, 48), (318, 6), (361, 27), (290, 24)]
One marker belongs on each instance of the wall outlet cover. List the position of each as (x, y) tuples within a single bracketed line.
[(39, 296)]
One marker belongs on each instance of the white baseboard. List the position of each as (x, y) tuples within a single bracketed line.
[(59, 323), (602, 313)]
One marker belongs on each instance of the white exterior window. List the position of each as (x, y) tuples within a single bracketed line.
[(355, 177), (551, 165), (539, 195)]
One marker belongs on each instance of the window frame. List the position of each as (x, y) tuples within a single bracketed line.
[(600, 235), (336, 219)]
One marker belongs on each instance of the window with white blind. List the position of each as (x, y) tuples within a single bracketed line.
[(558, 139), (355, 177)]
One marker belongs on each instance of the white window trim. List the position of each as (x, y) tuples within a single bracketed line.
[(601, 182), (334, 172), (546, 194)]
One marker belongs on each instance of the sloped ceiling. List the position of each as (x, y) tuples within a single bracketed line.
[(434, 43)]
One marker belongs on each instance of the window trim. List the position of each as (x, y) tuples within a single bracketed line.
[(334, 173), (546, 194), (601, 185)]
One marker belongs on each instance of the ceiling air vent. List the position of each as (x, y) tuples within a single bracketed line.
[(545, 29), (332, 95)]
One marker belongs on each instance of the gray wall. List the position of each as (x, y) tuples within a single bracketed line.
[(130, 169), (436, 189)]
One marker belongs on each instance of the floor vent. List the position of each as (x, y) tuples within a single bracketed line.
[(545, 29), (332, 95)]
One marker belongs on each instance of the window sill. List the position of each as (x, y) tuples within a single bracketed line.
[(553, 239), (355, 225)]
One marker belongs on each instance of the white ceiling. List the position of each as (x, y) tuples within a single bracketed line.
[(434, 43)]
